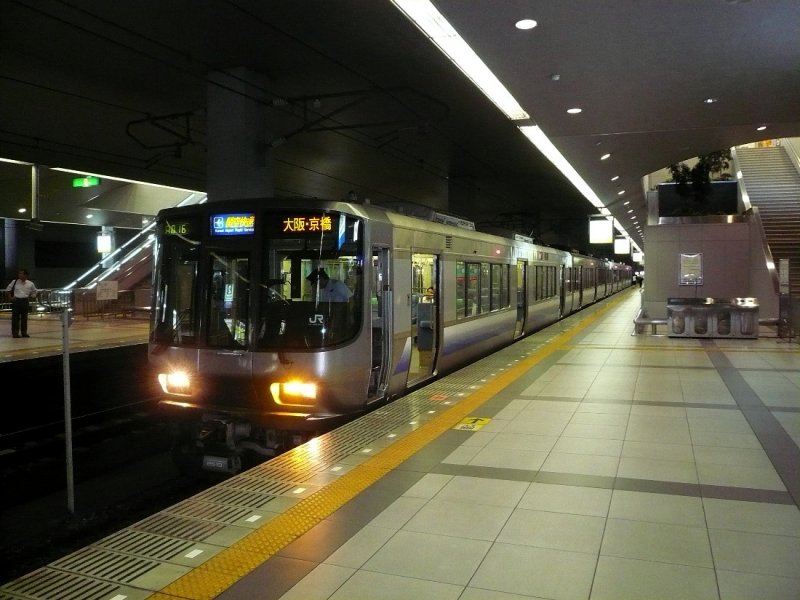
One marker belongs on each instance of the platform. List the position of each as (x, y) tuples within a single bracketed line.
[(581, 463), (46, 333)]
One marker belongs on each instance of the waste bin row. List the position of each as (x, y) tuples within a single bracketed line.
[(712, 317)]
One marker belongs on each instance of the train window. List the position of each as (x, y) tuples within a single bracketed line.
[(485, 283), (229, 300), (311, 290), (461, 290), (176, 258), (497, 283), (473, 277), (504, 280)]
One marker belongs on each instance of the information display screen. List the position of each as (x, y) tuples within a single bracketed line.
[(233, 224)]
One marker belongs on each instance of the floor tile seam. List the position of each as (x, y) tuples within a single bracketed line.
[(782, 450), (621, 483)]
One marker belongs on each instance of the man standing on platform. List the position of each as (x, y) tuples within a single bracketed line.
[(22, 290)]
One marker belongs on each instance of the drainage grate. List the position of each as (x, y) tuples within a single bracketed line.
[(50, 584), (268, 487), (145, 544), (174, 526), (105, 564), (229, 494), (207, 511)]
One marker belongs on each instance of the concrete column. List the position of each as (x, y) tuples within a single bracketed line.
[(239, 163)]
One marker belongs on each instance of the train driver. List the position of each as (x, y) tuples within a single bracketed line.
[(325, 289)]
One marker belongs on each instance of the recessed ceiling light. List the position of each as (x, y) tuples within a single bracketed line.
[(619, 193), (89, 216), (615, 177), (626, 202), (525, 24), (709, 100), (605, 156), (22, 210), (574, 111), (762, 128)]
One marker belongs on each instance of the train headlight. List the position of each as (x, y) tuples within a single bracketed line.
[(294, 393), (177, 382)]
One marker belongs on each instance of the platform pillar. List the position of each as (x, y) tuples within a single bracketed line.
[(239, 163)]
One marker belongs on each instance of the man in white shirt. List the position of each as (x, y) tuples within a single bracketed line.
[(22, 290), (325, 289)]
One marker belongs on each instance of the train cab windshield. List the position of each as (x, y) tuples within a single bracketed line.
[(285, 281)]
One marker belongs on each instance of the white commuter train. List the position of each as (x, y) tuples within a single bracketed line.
[(252, 358)]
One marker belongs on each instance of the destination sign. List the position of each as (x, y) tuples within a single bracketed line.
[(178, 227), (233, 224)]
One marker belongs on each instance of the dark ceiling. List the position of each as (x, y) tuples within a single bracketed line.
[(358, 99)]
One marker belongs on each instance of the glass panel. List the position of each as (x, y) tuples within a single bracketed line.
[(312, 290), (176, 259), (461, 290), (229, 297), (504, 281), (484, 286), (496, 286), (473, 280)]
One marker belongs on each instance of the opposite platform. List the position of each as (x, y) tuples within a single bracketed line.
[(47, 335)]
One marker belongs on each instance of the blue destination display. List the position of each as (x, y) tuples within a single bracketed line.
[(233, 224)]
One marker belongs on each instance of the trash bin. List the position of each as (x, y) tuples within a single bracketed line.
[(713, 317)]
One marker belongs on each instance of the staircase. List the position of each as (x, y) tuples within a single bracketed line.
[(773, 185)]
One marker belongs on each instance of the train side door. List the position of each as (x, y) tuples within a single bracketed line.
[(424, 315), (522, 297), (380, 302)]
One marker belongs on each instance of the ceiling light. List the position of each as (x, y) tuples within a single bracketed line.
[(761, 128), (546, 147), (605, 156), (89, 216), (22, 210), (619, 193), (710, 100), (525, 24), (574, 111), (431, 22), (615, 177)]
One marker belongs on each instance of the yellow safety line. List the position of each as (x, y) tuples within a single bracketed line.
[(213, 577)]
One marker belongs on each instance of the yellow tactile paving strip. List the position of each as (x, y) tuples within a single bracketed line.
[(213, 577)]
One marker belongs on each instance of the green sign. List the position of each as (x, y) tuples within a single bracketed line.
[(85, 181)]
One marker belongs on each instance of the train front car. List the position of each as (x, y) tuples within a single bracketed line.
[(257, 325)]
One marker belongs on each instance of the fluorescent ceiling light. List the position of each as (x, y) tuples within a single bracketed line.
[(546, 147), (425, 16)]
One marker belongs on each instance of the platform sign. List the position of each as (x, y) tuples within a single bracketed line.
[(472, 423), (691, 269), (107, 290), (783, 275)]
